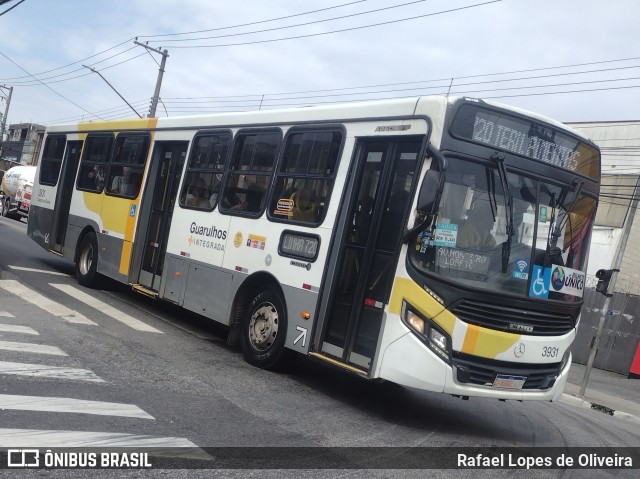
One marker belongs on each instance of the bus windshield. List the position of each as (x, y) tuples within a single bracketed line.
[(467, 243)]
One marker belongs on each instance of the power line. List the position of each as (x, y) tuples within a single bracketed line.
[(38, 82), (10, 8), (309, 35), (54, 91), (10, 80), (254, 23), (314, 22)]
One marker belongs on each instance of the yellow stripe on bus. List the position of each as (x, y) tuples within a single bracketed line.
[(487, 343), (129, 124), (408, 290)]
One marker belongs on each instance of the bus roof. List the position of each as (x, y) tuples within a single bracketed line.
[(370, 109)]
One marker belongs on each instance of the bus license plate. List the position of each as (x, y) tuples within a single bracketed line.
[(509, 382)]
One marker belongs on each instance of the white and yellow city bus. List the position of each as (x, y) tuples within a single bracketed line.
[(438, 243)]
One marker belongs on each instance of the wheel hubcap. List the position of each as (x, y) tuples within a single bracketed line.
[(263, 326), (86, 260)]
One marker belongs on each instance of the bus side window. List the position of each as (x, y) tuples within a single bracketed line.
[(305, 177), (250, 172), (202, 181)]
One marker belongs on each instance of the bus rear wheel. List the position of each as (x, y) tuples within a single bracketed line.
[(87, 262), (264, 331)]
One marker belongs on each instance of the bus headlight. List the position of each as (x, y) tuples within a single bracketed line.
[(415, 321), (429, 332), (438, 338)]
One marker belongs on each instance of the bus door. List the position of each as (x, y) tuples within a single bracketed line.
[(156, 211), (368, 251), (63, 199)]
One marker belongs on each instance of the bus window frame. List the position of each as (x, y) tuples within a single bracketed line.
[(330, 128), (229, 172), (137, 166), (48, 160), (189, 169), (105, 164)]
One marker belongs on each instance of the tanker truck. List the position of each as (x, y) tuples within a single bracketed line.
[(13, 179)]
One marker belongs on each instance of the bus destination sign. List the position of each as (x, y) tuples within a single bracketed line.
[(523, 137)]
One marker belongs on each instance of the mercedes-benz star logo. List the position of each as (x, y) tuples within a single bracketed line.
[(518, 351)]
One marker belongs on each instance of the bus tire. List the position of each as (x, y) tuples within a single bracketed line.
[(87, 262), (264, 331)]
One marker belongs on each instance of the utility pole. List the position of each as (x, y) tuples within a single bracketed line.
[(4, 118), (605, 308), (112, 87), (156, 93)]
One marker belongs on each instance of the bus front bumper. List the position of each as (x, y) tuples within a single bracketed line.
[(409, 362)]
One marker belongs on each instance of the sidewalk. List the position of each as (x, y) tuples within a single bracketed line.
[(619, 395)]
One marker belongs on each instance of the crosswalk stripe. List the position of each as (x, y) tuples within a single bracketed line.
[(70, 405), (43, 302), (5, 314), (14, 328), (34, 270), (37, 438), (31, 348), (42, 370), (105, 308)]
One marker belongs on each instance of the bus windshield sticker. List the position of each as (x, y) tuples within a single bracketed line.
[(567, 281), (446, 235), (543, 214), (520, 269), (458, 260), (424, 240), (540, 284), (284, 207)]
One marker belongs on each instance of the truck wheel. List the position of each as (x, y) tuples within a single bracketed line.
[(264, 330), (87, 262)]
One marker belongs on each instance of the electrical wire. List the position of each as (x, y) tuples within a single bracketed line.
[(309, 35)]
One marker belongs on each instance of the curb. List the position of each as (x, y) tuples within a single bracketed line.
[(578, 402)]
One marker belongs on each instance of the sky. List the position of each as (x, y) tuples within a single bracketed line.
[(571, 60)]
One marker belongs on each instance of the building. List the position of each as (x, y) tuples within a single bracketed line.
[(619, 142), (620, 145), (23, 144)]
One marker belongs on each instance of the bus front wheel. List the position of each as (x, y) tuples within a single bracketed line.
[(87, 262), (264, 330)]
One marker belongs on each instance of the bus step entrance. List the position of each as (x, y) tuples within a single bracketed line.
[(340, 364), (142, 290)]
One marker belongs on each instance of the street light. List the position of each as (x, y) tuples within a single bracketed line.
[(96, 71)]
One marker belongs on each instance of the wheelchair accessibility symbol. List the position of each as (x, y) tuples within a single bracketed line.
[(540, 283)]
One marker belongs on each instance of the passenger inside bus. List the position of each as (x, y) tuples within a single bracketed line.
[(304, 208), (230, 200), (122, 185), (475, 231), (197, 194)]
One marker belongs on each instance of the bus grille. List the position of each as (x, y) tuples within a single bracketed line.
[(482, 372), (512, 320)]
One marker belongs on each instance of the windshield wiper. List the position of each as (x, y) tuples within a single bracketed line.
[(508, 203)]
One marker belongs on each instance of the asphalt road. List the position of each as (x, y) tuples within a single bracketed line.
[(166, 378)]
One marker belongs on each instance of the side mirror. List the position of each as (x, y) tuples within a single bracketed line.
[(430, 192)]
